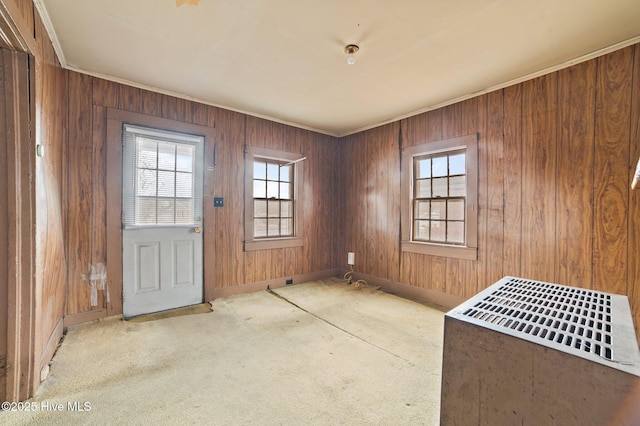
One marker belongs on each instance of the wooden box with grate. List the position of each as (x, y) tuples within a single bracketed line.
[(530, 352)]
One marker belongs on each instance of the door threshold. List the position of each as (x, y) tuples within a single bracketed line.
[(201, 308)]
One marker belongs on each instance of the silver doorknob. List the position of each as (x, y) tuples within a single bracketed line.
[(197, 230)]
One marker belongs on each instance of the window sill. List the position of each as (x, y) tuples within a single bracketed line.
[(464, 253), (274, 243)]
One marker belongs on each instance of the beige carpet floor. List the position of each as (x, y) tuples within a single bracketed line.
[(316, 353)]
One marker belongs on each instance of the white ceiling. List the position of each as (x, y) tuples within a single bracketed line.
[(284, 59)]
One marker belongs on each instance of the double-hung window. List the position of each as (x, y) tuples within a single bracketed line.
[(439, 207), (272, 199)]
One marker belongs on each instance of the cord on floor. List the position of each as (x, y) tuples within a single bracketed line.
[(348, 277)]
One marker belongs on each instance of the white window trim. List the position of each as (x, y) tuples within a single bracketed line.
[(250, 242), (470, 250)]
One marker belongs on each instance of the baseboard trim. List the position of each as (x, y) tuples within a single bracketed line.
[(407, 291), (74, 319), (400, 289), (275, 283), (52, 344)]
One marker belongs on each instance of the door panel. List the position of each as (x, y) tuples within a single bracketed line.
[(147, 264), (183, 252), (162, 212)]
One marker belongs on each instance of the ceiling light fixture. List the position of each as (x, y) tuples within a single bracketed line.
[(189, 2), (350, 50)]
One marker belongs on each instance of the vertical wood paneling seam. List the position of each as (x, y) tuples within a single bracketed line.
[(484, 142), (521, 158), (559, 142), (244, 196), (630, 164), (98, 178), (555, 175), (92, 211), (399, 242), (633, 286), (33, 24), (443, 284), (593, 171), (65, 180), (556, 179), (504, 178)]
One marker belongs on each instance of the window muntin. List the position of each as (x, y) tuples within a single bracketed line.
[(164, 182), (159, 173), (273, 203), (439, 199)]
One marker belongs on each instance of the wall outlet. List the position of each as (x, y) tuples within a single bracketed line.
[(351, 258), (289, 281)]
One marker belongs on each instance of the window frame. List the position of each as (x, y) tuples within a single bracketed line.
[(468, 251), (130, 134), (265, 243)]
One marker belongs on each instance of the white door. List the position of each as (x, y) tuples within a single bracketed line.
[(162, 220)]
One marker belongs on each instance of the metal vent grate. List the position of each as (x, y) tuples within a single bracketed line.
[(576, 318)]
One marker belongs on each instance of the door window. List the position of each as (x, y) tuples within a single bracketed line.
[(160, 188)]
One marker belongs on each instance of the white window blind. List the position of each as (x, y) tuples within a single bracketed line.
[(162, 184)]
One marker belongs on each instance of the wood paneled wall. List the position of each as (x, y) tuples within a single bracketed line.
[(556, 157), (539, 217), (44, 281), (51, 264), (16, 202), (228, 265)]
